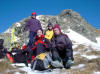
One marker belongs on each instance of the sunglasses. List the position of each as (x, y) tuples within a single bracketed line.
[(33, 15)]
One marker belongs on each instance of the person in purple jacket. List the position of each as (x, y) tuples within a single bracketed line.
[(31, 27)]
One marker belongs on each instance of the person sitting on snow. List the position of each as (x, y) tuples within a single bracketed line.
[(61, 48), (41, 49), (49, 32)]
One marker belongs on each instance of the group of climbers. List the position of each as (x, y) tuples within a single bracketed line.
[(45, 50)]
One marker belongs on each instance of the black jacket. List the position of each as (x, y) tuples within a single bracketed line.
[(63, 45)]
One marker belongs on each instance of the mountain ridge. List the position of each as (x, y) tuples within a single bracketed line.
[(67, 19)]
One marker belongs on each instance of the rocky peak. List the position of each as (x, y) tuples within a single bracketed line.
[(66, 19)]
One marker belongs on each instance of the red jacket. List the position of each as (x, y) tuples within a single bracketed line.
[(41, 44)]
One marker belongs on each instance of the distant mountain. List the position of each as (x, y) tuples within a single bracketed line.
[(67, 19)]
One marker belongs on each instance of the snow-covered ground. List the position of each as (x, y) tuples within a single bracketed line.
[(17, 24), (78, 66), (8, 31), (98, 40), (96, 73), (78, 40), (90, 57), (77, 37), (16, 39)]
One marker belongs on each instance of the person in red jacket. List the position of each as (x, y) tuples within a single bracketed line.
[(40, 48), (41, 44)]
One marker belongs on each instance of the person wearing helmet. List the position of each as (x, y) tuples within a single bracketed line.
[(31, 26)]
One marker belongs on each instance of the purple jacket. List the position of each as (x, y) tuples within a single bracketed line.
[(32, 25)]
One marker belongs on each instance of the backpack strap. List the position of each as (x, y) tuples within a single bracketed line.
[(40, 41)]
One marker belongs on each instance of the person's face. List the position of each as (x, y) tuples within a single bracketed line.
[(50, 27), (39, 33), (57, 31), (33, 16)]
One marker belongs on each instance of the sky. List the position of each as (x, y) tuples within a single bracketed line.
[(12, 11)]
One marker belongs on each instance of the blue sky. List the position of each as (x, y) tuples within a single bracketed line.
[(14, 10)]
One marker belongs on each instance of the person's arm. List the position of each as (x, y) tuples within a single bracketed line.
[(69, 50), (60, 45), (33, 45), (48, 45), (45, 32), (27, 26), (39, 24), (53, 42)]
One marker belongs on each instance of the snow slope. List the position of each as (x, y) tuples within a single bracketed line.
[(74, 36), (98, 40), (79, 39)]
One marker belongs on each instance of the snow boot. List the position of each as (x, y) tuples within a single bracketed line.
[(57, 64), (68, 64)]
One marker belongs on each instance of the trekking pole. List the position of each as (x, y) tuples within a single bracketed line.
[(9, 45), (25, 39), (34, 65)]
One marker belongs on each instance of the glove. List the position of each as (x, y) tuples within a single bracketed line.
[(34, 48), (68, 63)]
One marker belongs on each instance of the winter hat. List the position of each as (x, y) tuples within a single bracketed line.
[(39, 29), (34, 13), (50, 24), (57, 26)]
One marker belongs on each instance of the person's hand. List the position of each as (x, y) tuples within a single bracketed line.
[(68, 63), (60, 46)]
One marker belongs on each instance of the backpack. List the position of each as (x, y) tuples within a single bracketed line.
[(16, 56), (2, 55), (41, 62), (1, 44), (20, 58), (2, 49)]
